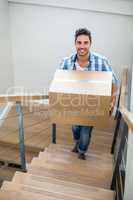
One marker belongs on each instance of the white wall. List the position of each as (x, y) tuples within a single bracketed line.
[(124, 7), (6, 70), (42, 35)]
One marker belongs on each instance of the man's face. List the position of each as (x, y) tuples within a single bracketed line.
[(82, 45)]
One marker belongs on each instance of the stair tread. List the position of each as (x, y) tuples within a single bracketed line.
[(68, 150), (66, 176), (99, 176), (80, 166), (23, 195), (47, 187), (66, 147), (26, 178), (72, 158)]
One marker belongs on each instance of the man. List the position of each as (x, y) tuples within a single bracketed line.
[(85, 60)]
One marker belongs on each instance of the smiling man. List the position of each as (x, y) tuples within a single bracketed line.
[(85, 60)]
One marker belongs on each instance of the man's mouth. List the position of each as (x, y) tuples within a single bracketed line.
[(82, 50)]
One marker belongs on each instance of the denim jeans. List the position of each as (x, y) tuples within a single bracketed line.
[(82, 136)]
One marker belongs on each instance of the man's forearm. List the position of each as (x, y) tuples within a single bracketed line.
[(113, 98)]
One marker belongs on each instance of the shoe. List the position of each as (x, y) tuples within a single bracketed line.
[(82, 156), (75, 149)]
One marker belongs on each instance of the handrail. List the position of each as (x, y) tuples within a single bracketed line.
[(127, 115), (123, 89), (21, 97)]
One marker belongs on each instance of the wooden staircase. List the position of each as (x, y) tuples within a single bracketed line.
[(57, 173)]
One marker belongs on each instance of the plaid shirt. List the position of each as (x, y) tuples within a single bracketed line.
[(96, 63)]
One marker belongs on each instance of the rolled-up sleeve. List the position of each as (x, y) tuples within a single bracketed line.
[(64, 64), (61, 64)]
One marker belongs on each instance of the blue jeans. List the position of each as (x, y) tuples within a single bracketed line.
[(82, 136)]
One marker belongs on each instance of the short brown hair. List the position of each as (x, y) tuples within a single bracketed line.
[(83, 31)]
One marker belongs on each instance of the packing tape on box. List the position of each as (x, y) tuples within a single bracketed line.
[(82, 81)]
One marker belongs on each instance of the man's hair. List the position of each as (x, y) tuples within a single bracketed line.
[(83, 31)]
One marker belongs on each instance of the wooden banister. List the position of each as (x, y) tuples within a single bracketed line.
[(127, 115), (123, 89)]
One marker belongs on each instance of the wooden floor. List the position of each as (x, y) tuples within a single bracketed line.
[(57, 161)]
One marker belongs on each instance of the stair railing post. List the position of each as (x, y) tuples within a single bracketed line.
[(54, 133), (116, 131), (21, 135)]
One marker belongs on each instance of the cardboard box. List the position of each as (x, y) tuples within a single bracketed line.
[(80, 97)]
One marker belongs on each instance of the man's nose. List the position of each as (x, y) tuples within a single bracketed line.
[(82, 46)]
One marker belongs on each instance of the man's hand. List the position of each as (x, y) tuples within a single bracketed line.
[(112, 105)]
